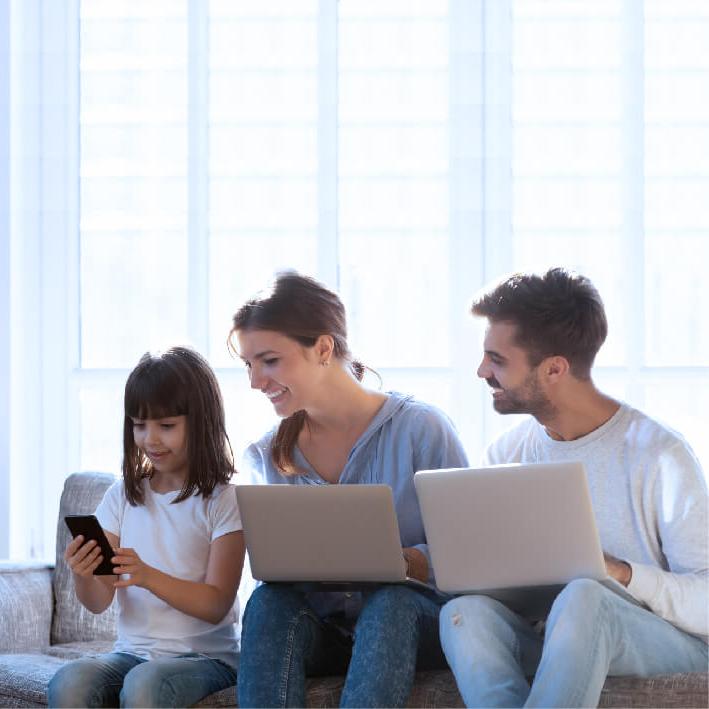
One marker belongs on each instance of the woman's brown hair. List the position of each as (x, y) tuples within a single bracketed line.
[(303, 309), (177, 382)]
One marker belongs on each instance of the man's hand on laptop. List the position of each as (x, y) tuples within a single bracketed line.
[(416, 564), (617, 569)]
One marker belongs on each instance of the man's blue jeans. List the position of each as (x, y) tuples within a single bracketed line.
[(591, 633), (106, 680), (283, 641)]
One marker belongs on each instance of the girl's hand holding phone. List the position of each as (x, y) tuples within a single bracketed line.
[(82, 558), (127, 561)]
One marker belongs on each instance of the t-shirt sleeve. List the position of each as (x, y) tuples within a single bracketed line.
[(109, 510), (509, 446), (256, 467), (225, 513), (490, 455), (678, 594), (251, 469)]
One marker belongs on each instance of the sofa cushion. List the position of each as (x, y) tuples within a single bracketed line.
[(432, 688), (222, 698), (24, 676), (437, 688), (77, 650), (25, 606), (24, 679), (686, 689), (71, 621)]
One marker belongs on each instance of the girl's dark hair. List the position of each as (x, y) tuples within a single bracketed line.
[(303, 309), (177, 382), (557, 313)]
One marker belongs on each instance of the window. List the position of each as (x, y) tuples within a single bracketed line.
[(403, 152), (610, 107)]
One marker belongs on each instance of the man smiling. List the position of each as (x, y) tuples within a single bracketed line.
[(649, 497)]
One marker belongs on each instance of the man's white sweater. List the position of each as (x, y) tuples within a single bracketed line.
[(650, 500)]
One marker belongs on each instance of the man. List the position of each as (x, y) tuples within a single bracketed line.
[(649, 497)]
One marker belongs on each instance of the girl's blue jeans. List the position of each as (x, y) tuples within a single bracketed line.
[(591, 633), (122, 679), (283, 641)]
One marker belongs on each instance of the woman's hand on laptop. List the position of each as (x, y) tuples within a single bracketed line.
[(617, 569), (416, 564)]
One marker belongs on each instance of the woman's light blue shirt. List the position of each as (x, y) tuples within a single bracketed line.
[(406, 435)]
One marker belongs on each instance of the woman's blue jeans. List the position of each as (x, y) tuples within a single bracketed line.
[(591, 633), (283, 641), (122, 679)]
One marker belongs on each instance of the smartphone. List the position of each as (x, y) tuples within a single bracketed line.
[(89, 528)]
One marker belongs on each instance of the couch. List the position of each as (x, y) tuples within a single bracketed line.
[(42, 626)]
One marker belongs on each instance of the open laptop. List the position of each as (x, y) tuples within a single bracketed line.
[(516, 532), (327, 537)]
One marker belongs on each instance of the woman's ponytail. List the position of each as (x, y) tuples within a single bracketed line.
[(284, 443), (358, 369)]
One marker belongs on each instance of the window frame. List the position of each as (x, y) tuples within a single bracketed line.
[(5, 287), (40, 370), (44, 245)]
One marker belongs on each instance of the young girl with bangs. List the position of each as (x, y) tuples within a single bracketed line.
[(175, 528)]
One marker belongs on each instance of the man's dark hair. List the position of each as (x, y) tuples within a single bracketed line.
[(557, 313)]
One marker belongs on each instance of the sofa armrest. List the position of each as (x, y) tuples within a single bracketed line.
[(26, 603)]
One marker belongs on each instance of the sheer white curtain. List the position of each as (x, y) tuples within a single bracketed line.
[(168, 156), (43, 113), (4, 270), (610, 108)]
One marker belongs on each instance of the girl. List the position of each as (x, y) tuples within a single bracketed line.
[(175, 529), (293, 341)]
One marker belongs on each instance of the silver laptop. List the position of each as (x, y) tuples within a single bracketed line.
[(335, 536), (516, 532)]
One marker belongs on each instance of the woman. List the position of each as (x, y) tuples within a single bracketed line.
[(335, 431)]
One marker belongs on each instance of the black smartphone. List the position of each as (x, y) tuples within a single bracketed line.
[(89, 528)]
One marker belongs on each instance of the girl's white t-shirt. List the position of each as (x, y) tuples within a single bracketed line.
[(174, 539)]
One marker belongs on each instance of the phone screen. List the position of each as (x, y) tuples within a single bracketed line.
[(89, 527)]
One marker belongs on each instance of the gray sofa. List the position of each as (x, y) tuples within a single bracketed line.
[(43, 626)]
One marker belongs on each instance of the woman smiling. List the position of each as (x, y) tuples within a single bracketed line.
[(293, 341)]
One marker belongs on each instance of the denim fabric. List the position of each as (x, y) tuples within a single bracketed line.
[(591, 633), (122, 679), (283, 640)]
